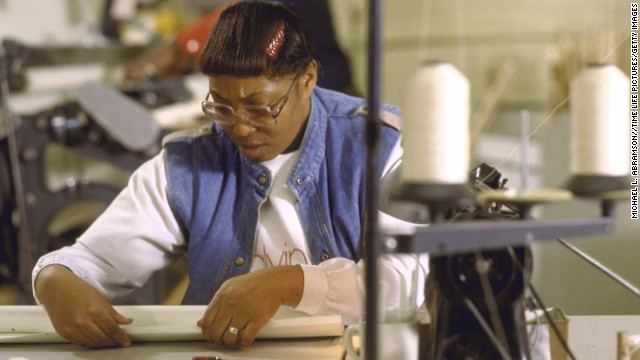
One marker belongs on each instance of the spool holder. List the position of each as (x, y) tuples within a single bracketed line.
[(438, 198), (596, 185)]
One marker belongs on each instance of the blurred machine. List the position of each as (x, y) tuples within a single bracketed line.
[(60, 167)]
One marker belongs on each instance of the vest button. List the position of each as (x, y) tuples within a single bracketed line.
[(325, 257), (239, 261), (299, 181), (262, 180)]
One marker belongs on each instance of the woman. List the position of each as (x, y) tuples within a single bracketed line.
[(266, 203)]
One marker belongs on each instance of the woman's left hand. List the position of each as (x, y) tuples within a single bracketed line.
[(244, 304)]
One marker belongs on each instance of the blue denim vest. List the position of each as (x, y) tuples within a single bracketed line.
[(215, 192)]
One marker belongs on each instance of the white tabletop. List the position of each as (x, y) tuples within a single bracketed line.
[(590, 337), (595, 337), (306, 349)]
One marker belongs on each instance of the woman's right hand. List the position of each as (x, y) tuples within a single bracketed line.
[(78, 312)]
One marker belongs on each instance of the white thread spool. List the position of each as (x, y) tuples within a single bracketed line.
[(436, 126), (599, 128)]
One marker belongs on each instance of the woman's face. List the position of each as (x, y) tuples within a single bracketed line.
[(261, 143)]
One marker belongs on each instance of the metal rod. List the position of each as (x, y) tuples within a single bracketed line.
[(541, 305), (487, 329), (627, 285), (551, 323), (524, 151), (373, 133)]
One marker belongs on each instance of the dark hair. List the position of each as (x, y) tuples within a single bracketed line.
[(239, 42)]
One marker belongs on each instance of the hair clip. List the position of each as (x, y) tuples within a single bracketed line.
[(275, 44)]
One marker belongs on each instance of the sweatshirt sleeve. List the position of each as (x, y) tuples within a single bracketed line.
[(134, 237), (336, 286)]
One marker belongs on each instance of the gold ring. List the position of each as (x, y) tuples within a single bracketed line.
[(232, 330)]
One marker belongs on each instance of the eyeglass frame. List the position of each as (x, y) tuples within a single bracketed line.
[(274, 113)]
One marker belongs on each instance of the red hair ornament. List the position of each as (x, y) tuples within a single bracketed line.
[(275, 44)]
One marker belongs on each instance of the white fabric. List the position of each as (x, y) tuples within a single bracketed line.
[(140, 234)]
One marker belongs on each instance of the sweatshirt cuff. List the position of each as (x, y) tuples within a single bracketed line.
[(316, 287), (55, 258)]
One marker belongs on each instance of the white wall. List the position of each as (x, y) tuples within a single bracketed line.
[(51, 22), (478, 36)]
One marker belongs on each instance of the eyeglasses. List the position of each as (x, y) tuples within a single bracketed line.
[(256, 115)]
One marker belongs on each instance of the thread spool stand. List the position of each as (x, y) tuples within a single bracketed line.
[(454, 247), (462, 315)]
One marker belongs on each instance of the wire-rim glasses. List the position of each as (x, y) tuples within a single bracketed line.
[(256, 115)]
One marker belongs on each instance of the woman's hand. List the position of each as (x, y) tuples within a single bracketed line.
[(248, 302), (77, 311)]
